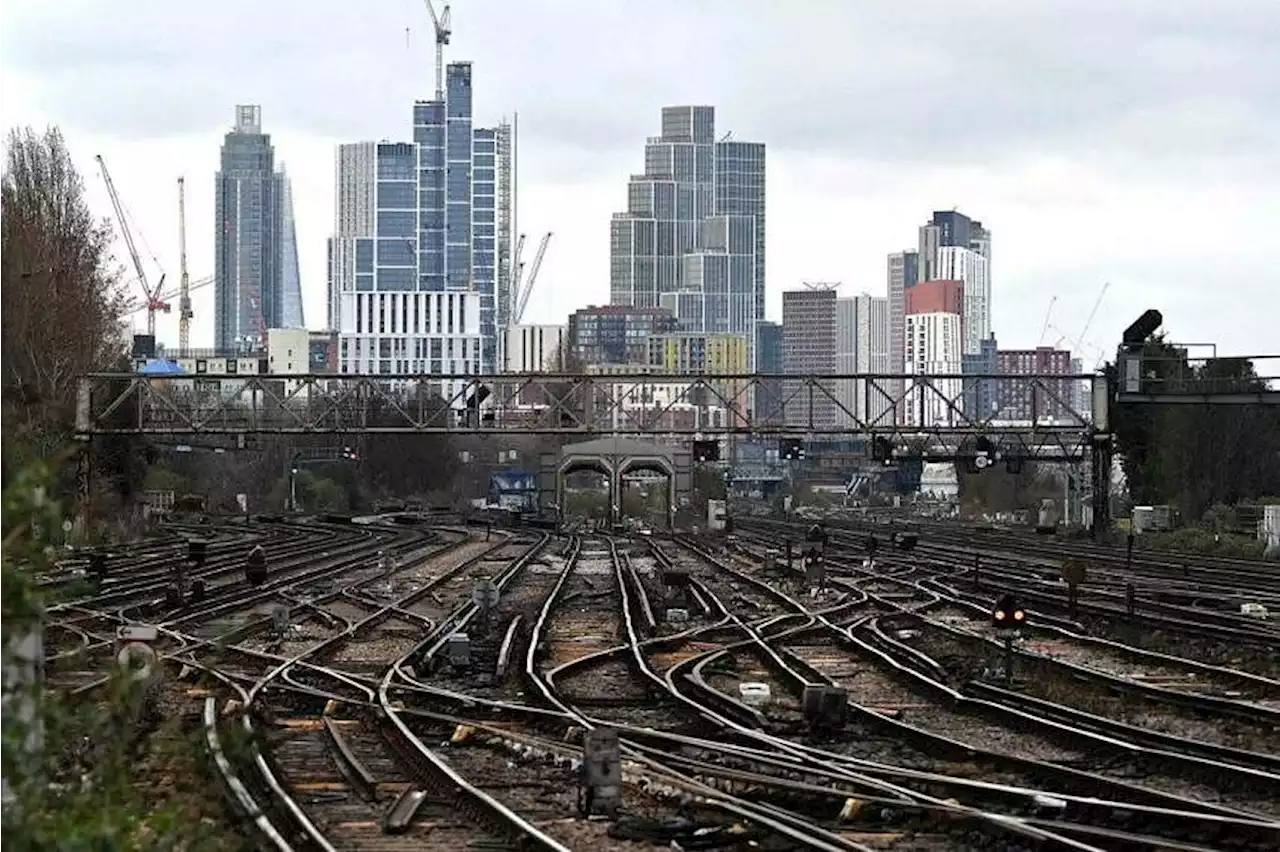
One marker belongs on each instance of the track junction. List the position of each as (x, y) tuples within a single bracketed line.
[(410, 681)]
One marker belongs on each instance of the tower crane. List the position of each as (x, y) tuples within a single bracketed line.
[(140, 304), (154, 301), (1047, 315), (444, 28), (184, 282), (525, 288)]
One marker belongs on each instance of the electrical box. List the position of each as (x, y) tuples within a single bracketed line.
[(601, 772), (457, 650)]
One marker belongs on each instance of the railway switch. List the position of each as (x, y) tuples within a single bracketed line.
[(825, 707), (600, 788)]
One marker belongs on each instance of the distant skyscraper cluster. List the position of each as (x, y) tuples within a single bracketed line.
[(257, 285)]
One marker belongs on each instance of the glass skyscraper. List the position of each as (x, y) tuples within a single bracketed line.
[(248, 225), (692, 239), (424, 293), (291, 312)]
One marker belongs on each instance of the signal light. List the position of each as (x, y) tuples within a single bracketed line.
[(706, 451), (1007, 614), (791, 449)]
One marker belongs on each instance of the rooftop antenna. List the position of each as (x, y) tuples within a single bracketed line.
[(443, 29)]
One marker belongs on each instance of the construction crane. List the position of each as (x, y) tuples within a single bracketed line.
[(1047, 315), (140, 304), (525, 288), (1097, 303), (444, 29), (154, 301), (184, 282)]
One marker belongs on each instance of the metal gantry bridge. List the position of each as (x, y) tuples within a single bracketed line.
[(920, 415)]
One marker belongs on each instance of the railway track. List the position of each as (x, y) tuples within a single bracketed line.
[(363, 725)]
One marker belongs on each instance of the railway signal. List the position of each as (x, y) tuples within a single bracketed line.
[(1007, 618), (1008, 615), (815, 573), (791, 449), (706, 451)]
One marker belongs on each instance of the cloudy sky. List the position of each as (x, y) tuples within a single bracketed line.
[(1135, 142)]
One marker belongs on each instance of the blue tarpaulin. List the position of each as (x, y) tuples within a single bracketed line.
[(161, 367)]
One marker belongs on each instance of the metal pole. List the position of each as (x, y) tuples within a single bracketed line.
[(1008, 658)]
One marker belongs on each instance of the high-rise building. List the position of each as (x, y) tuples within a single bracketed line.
[(933, 348), (809, 349), (904, 271), (862, 348), (954, 247), (692, 238), (290, 276), (247, 237), (1028, 400), (970, 268), (417, 284), (354, 216)]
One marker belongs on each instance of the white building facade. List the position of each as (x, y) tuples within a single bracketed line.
[(934, 343), (862, 347), (356, 171), (534, 348), (961, 264)]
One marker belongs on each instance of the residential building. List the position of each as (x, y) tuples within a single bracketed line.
[(418, 292), (809, 349), (356, 178), (1035, 400), (904, 271), (954, 247), (615, 334), (871, 398), (693, 231), (248, 221), (535, 349), (980, 402), (933, 349), (291, 310), (703, 354), (949, 229), (969, 268), (939, 296)]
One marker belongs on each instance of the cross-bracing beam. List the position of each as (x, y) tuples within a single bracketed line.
[(934, 416)]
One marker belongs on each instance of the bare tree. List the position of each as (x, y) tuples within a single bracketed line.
[(62, 304)]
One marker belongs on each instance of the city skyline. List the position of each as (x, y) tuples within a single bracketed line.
[(839, 203)]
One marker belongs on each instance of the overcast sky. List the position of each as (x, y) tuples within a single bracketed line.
[(1126, 141)]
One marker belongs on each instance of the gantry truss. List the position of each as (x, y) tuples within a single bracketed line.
[(1025, 416)]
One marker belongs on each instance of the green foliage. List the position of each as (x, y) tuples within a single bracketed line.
[(315, 493), (997, 490), (99, 779), (1194, 456)]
